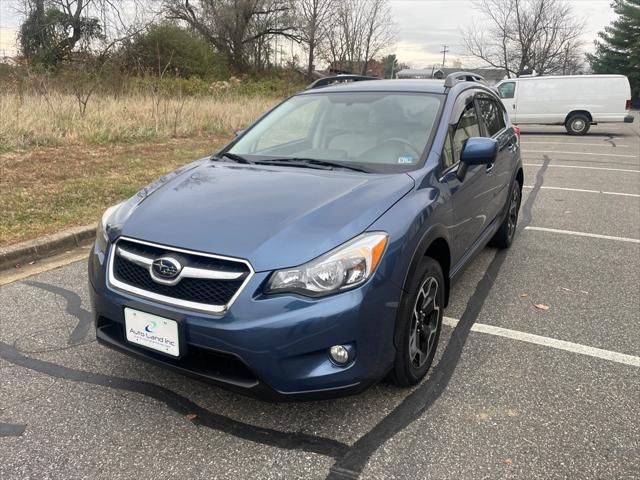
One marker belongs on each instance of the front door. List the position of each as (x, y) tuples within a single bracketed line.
[(473, 196)]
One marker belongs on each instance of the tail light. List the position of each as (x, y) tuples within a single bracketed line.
[(628, 105), (516, 130)]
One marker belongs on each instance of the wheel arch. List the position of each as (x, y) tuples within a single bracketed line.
[(576, 112), (434, 244)]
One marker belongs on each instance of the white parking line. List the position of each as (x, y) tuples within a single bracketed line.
[(606, 144), (580, 166), (586, 191), (583, 234), (582, 153), (549, 342), (524, 136)]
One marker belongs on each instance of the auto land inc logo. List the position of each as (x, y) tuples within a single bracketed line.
[(149, 334), (151, 327)]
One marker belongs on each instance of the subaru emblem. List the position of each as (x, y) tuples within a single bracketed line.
[(166, 268)]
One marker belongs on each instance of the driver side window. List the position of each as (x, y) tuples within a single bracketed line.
[(468, 126), (507, 90)]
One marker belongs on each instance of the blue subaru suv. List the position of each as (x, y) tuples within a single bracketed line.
[(314, 254)]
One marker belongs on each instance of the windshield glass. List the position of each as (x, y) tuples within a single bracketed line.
[(385, 132)]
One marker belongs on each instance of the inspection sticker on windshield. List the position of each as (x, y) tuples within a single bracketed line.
[(152, 331), (405, 160)]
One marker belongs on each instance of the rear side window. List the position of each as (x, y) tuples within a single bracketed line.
[(492, 115), (468, 126), (507, 90)]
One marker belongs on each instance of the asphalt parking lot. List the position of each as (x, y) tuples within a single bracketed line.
[(517, 391)]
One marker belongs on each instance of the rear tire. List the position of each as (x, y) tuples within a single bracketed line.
[(578, 124), (507, 231), (420, 322)]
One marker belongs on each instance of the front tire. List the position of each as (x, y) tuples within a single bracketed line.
[(420, 322), (507, 231), (577, 124)]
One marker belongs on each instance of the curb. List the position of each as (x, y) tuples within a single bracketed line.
[(32, 250)]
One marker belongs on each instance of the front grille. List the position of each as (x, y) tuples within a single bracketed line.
[(215, 292)]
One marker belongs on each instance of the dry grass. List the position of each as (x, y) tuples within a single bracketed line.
[(48, 189), (54, 119), (59, 168)]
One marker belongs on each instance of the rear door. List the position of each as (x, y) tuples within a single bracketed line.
[(494, 125), (507, 91)]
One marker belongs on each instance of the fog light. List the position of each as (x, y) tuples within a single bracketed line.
[(339, 354)]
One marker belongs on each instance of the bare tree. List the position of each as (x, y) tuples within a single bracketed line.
[(522, 35), (379, 30), (360, 30), (314, 19), (233, 26)]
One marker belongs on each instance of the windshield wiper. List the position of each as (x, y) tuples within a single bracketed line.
[(311, 163), (232, 156)]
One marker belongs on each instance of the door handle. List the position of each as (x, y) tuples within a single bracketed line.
[(490, 168), (514, 106)]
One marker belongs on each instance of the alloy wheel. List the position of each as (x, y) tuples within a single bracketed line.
[(424, 323)]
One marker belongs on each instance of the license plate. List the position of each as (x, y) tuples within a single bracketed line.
[(152, 331)]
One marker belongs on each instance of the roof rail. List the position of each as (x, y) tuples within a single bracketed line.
[(456, 77), (324, 81)]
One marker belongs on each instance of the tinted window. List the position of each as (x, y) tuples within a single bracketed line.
[(447, 153), (467, 127), (492, 115), (507, 90)]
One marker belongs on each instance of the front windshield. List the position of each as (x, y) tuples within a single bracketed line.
[(382, 131)]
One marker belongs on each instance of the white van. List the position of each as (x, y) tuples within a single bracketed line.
[(577, 101)]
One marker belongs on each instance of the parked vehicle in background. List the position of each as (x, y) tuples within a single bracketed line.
[(577, 101)]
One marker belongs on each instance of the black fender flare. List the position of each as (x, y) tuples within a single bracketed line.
[(432, 234)]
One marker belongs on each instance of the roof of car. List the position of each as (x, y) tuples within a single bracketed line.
[(418, 86)]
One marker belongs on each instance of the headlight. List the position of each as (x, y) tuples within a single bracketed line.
[(101, 233), (345, 267)]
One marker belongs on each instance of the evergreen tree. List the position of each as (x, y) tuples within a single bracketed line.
[(618, 49)]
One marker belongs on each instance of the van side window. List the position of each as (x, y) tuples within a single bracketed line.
[(507, 90), (492, 116), (468, 126)]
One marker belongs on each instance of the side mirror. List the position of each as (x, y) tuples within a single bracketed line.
[(477, 151)]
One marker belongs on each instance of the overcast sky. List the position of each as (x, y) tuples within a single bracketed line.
[(423, 27)]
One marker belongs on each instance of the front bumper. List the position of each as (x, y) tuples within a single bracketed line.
[(272, 347)]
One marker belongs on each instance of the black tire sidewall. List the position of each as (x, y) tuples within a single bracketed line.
[(404, 372), (501, 238), (573, 118), (516, 186)]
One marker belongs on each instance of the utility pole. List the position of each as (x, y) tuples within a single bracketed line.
[(444, 52)]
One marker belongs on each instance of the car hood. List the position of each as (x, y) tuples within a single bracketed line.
[(275, 217)]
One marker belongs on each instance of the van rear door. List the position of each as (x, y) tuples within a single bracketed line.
[(507, 91)]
